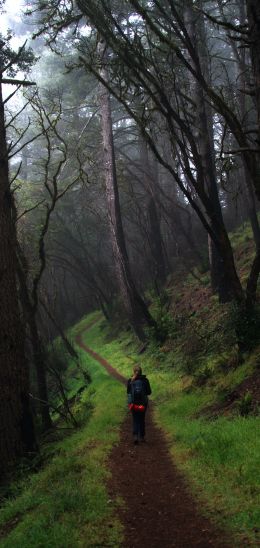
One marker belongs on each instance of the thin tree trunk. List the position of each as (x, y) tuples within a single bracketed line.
[(219, 280), (251, 287), (156, 243), (245, 112), (38, 358), (136, 308), (220, 275), (37, 350), (253, 14)]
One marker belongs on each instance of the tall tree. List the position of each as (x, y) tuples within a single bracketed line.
[(164, 26), (204, 124), (54, 185), (135, 306), (253, 14), (17, 433), (150, 178)]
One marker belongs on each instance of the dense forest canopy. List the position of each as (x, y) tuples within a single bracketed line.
[(130, 135)]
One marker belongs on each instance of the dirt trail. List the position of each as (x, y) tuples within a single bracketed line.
[(159, 510)]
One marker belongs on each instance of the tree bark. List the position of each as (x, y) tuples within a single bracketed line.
[(38, 358), (220, 281), (16, 425), (253, 14), (136, 308), (156, 243), (37, 350), (251, 286), (178, 127), (243, 61)]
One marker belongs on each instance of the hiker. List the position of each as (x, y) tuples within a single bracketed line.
[(138, 390)]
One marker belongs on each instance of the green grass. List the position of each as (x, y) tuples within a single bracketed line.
[(219, 457), (66, 503)]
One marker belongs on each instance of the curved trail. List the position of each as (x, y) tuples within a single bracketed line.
[(159, 510)]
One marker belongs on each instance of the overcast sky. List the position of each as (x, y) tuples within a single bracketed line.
[(12, 10), (9, 19)]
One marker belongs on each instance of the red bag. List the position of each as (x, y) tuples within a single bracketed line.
[(135, 407)]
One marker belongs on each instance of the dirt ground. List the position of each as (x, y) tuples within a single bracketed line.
[(159, 510)]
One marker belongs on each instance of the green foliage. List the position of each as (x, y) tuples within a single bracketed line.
[(83, 405), (167, 325), (117, 316), (223, 462), (245, 324), (202, 376), (15, 61), (224, 337), (73, 374), (245, 404), (57, 358), (192, 347), (219, 456), (203, 266), (66, 503)]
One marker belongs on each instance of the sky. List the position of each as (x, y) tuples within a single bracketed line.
[(12, 16), (12, 10)]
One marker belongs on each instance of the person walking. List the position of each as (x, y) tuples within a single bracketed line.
[(138, 390)]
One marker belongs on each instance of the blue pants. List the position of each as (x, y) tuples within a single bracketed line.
[(139, 423)]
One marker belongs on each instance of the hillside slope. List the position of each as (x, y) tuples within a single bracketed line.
[(206, 399)]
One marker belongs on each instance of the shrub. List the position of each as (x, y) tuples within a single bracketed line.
[(246, 325), (202, 376), (167, 325), (245, 404)]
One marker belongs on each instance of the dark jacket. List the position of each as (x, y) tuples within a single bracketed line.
[(146, 385)]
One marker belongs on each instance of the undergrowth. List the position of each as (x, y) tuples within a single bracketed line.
[(195, 370), (66, 502), (220, 455)]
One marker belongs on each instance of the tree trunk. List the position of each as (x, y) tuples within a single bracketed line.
[(251, 287), (242, 57), (16, 425), (103, 308), (156, 243), (220, 281), (37, 350), (252, 214), (136, 308), (253, 14), (38, 358)]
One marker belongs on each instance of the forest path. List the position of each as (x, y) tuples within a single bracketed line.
[(159, 510)]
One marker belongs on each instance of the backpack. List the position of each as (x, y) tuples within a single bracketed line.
[(138, 393)]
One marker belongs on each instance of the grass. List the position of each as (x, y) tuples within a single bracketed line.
[(219, 457), (66, 503), (221, 460)]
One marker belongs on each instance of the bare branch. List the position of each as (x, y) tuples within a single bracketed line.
[(24, 145), (9, 97), (30, 209), (242, 29), (16, 173), (15, 82), (239, 150)]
